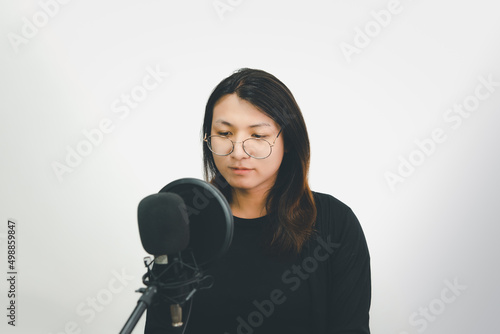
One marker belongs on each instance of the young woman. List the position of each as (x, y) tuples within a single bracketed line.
[(298, 262)]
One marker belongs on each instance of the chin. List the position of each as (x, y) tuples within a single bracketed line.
[(241, 184), (249, 184)]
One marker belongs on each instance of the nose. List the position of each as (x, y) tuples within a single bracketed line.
[(238, 151)]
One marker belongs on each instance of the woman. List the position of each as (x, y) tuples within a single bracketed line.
[(298, 262)]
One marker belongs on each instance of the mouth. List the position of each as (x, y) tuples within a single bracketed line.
[(240, 170)]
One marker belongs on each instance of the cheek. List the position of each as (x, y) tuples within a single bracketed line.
[(278, 154), (218, 160), (272, 164)]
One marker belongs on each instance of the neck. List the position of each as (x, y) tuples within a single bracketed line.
[(246, 204)]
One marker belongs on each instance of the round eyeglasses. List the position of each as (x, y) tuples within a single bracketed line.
[(257, 148)]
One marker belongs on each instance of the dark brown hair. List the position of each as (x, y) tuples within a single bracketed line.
[(290, 203)]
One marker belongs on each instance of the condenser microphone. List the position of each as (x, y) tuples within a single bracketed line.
[(187, 226), (163, 224), (164, 232)]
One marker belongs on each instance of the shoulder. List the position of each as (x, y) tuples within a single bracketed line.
[(334, 217), (328, 201), (328, 206)]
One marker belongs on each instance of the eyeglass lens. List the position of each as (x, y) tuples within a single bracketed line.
[(257, 148)]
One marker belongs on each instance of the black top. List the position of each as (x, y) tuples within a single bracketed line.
[(326, 289)]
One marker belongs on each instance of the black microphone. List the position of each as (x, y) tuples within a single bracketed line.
[(187, 226), (164, 231), (163, 223)]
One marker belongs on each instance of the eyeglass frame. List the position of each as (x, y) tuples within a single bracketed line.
[(205, 139)]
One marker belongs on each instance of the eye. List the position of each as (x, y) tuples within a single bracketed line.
[(259, 136), (223, 133)]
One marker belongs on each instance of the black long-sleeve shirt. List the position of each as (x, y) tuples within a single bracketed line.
[(326, 289)]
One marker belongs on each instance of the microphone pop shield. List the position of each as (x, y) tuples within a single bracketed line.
[(210, 218)]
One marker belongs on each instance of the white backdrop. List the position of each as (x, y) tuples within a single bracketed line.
[(102, 103)]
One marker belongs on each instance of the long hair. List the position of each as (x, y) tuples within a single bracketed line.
[(290, 203)]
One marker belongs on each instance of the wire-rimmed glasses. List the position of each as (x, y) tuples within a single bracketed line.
[(257, 148)]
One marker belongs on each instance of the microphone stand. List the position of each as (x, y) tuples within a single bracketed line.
[(154, 285), (142, 304)]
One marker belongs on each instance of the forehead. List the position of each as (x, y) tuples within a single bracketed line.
[(233, 111)]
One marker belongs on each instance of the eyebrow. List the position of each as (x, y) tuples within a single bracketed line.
[(220, 121)]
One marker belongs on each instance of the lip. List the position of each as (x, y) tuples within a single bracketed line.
[(239, 167), (240, 170)]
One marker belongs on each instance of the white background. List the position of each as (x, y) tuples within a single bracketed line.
[(364, 112)]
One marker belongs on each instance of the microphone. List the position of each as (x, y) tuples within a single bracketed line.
[(187, 226), (164, 231), (163, 223)]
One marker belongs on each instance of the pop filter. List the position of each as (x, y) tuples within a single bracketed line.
[(210, 218)]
